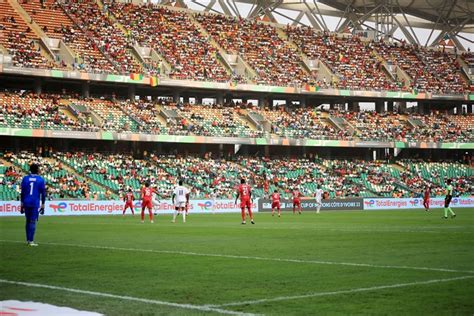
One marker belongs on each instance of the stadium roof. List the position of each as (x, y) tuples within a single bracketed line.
[(425, 22)]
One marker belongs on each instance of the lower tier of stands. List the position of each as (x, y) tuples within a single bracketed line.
[(83, 175)]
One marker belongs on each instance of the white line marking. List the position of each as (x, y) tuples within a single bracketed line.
[(186, 253), (205, 308), (364, 289)]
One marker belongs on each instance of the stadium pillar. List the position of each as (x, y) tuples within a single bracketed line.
[(459, 109), (86, 89), (402, 106), (303, 102), (186, 99), (472, 109), (220, 98), (37, 86), (262, 102), (379, 106), (421, 108), (389, 106), (354, 106), (198, 100), (176, 96), (131, 92)]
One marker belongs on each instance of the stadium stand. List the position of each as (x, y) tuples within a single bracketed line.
[(101, 35), (354, 61), (175, 36), (20, 41), (214, 120), (105, 176), (61, 183), (54, 111), (28, 110), (57, 22), (430, 70), (275, 62)]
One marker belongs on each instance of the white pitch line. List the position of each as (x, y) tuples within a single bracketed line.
[(357, 290), (198, 254), (204, 308)]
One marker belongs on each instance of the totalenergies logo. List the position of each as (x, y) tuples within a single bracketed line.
[(369, 203), (206, 206), (415, 202), (61, 207), (455, 201), (137, 205)]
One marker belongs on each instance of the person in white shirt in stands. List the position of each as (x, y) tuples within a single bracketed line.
[(181, 194), (318, 195)]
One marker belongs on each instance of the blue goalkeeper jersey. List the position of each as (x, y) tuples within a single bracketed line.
[(33, 190)]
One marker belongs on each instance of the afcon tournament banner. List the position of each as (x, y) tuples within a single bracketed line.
[(414, 203), (194, 139), (141, 79), (265, 205), (82, 207)]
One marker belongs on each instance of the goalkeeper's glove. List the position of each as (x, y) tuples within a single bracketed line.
[(22, 209), (41, 211)]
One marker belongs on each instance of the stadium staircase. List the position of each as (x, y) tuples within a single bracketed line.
[(341, 124), (465, 70), (205, 34), (135, 54), (283, 36)]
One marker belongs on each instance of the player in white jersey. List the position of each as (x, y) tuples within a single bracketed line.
[(181, 194), (155, 202), (318, 196), (214, 198)]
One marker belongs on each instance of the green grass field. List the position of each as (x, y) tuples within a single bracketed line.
[(379, 262)]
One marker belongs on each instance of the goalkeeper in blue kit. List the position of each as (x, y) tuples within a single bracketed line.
[(33, 190)]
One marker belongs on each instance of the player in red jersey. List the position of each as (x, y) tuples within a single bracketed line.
[(276, 203), (245, 195), (296, 200), (426, 198), (128, 199), (147, 195)]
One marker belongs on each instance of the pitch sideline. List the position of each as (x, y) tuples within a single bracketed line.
[(186, 253), (204, 308), (350, 291)]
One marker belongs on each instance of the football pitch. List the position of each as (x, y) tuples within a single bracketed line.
[(372, 262)]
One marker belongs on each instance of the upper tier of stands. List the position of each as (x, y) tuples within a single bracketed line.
[(354, 61), (19, 40), (275, 62), (175, 36), (57, 23), (429, 70), (102, 35)]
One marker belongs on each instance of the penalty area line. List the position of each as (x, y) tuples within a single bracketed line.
[(216, 255), (350, 291), (204, 308)]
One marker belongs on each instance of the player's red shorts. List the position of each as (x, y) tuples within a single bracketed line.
[(275, 205), (147, 204), (296, 203), (245, 203), (129, 204)]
